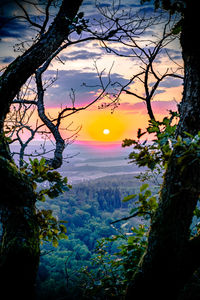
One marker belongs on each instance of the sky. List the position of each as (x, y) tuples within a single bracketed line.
[(76, 73)]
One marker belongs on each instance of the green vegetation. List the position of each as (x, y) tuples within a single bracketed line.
[(78, 265), (101, 253), (46, 183)]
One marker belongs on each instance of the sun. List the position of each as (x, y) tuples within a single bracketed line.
[(106, 131), (105, 127)]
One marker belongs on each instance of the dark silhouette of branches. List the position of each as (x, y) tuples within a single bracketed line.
[(19, 119), (115, 26), (145, 52)]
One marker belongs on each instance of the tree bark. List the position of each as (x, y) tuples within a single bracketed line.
[(171, 259), (20, 237)]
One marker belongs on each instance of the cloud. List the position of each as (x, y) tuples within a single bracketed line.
[(170, 82), (104, 5), (78, 81), (80, 54), (158, 91), (158, 107), (87, 3), (173, 54), (12, 29), (7, 59), (126, 106)]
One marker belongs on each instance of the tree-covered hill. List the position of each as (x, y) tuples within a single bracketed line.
[(88, 208)]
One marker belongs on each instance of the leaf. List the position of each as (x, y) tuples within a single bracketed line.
[(41, 198), (34, 184), (178, 27), (62, 236), (63, 229), (80, 15), (197, 212), (188, 134), (55, 242), (153, 129), (127, 198), (133, 210), (128, 142), (144, 187), (140, 133), (153, 202), (42, 161), (131, 239), (147, 193)]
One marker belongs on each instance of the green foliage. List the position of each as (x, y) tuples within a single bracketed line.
[(173, 7), (51, 230), (146, 204), (39, 172), (155, 156), (169, 5), (156, 153), (114, 270), (78, 23), (177, 27), (188, 150), (131, 250), (106, 280), (91, 207), (88, 210), (47, 183)]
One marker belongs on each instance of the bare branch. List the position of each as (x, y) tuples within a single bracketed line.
[(132, 216), (32, 23), (147, 57)]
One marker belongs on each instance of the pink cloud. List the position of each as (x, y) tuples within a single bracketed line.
[(159, 107)]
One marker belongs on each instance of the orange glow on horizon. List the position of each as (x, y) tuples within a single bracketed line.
[(105, 127), (102, 126)]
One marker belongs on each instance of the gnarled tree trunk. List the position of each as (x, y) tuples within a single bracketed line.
[(20, 237), (20, 240), (172, 257)]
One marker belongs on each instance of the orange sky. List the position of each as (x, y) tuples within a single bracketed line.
[(122, 123), (78, 66)]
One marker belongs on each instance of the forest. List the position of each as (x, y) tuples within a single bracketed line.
[(120, 236), (89, 208)]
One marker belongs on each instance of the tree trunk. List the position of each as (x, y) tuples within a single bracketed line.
[(20, 237), (171, 257)]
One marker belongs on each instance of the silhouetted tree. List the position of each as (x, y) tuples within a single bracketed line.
[(20, 238), (172, 255)]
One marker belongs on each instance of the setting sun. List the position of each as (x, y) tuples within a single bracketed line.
[(105, 127), (106, 131), (102, 126)]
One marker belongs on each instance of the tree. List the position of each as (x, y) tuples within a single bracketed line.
[(20, 239), (171, 257), (133, 41)]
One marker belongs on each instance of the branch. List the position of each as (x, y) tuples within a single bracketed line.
[(25, 65), (24, 101), (46, 16), (27, 16), (147, 58), (56, 162), (132, 216)]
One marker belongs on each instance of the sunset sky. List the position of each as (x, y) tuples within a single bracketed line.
[(77, 68)]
